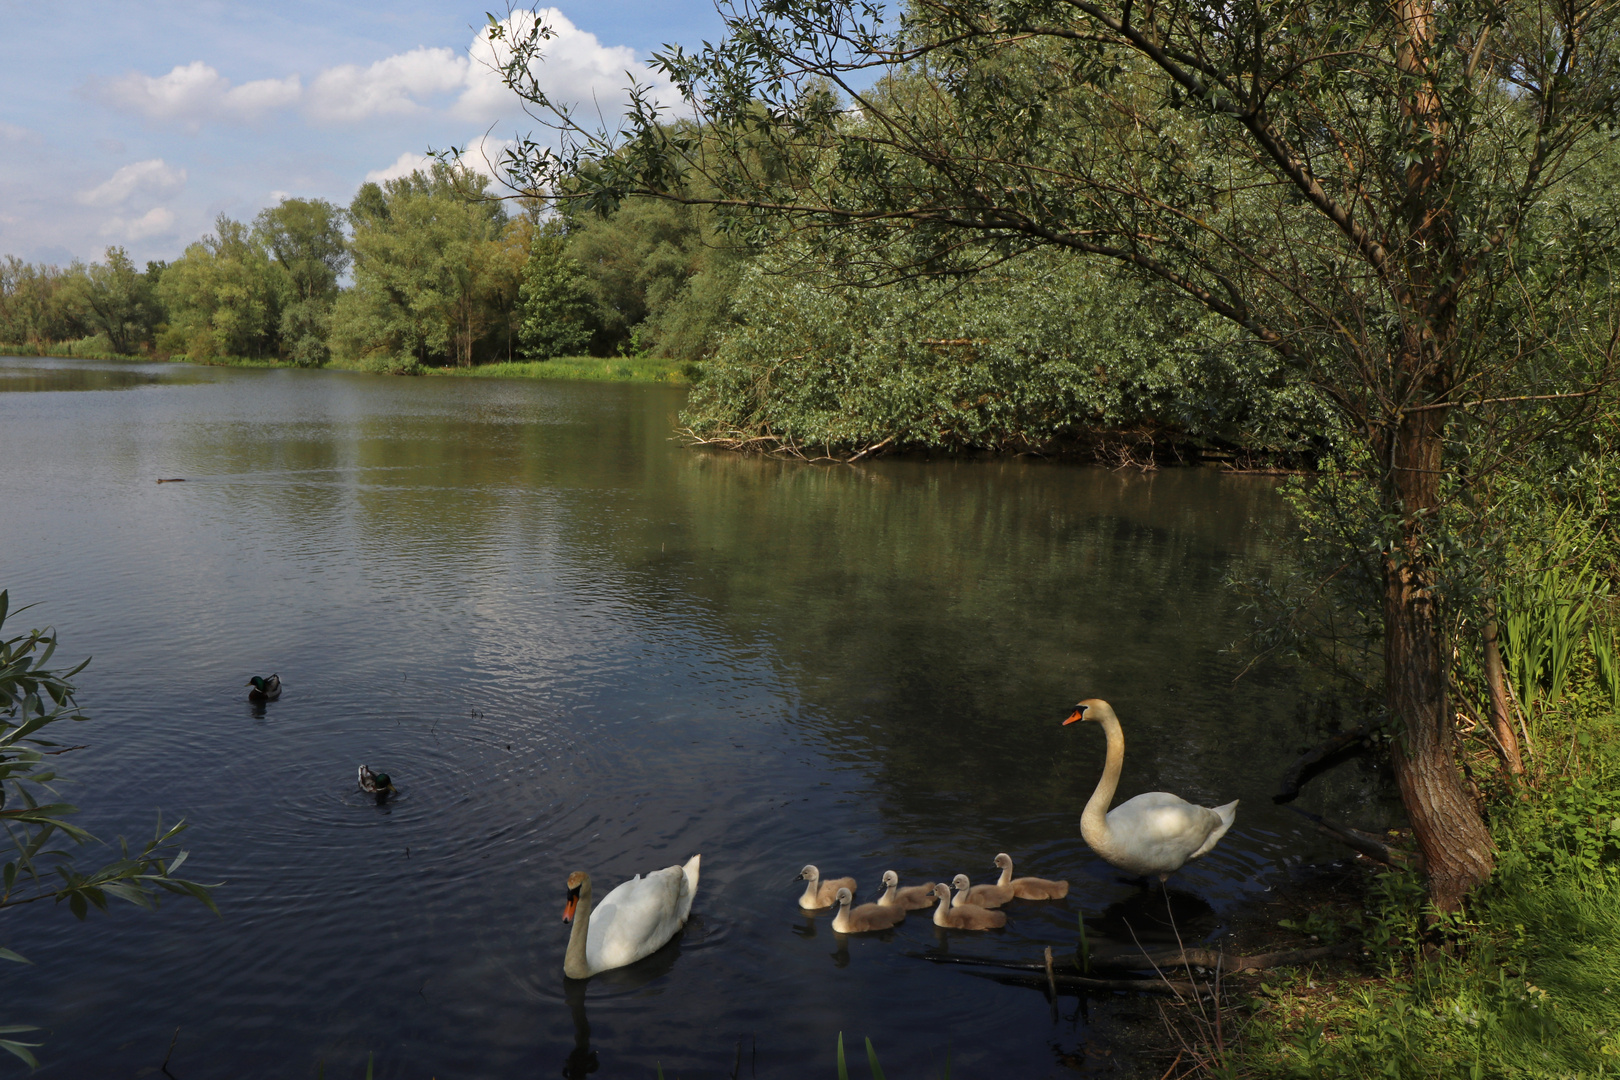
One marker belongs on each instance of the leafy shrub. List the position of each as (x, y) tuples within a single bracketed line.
[(1044, 349)]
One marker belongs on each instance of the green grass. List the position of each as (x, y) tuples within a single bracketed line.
[(584, 368), (1525, 984), (231, 361), (85, 349)]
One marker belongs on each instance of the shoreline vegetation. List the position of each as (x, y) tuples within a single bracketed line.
[(1179, 248), (639, 369)]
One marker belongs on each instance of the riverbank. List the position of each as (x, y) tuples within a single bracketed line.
[(1525, 982), (584, 368), (638, 369), (87, 349)]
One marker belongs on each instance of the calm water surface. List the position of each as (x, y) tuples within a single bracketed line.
[(577, 645)]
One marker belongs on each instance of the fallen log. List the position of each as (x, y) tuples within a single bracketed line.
[(1083, 982), (1138, 960), (1295, 778)]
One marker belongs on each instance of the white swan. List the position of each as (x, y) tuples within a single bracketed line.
[(632, 921), (1154, 833)]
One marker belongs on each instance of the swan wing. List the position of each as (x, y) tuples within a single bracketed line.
[(1162, 831), (638, 917)]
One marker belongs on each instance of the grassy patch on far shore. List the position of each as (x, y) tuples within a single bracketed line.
[(587, 368), (231, 361), (86, 349)]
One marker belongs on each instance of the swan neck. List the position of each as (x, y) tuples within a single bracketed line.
[(810, 900), (1094, 821), (575, 966), (1006, 877)]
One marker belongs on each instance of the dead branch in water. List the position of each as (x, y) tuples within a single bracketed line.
[(1296, 777), (1128, 959), (1366, 843)]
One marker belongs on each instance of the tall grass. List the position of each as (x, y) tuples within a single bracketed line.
[(1550, 618)]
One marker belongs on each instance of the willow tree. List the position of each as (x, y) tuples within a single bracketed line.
[(1380, 192)]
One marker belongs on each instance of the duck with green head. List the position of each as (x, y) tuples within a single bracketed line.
[(376, 783), (264, 689)]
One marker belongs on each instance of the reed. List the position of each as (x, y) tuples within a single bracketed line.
[(1547, 614)]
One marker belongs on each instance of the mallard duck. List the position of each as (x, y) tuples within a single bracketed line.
[(376, 783), (264, 689)]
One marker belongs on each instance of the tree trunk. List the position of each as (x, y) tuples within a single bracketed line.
[(1456, 846), (1496, 684)]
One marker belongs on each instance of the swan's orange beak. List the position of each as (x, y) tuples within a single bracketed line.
[(568, 908), (1078, 714)]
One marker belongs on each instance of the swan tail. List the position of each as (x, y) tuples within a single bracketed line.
[(1227, 814), (690, 871)]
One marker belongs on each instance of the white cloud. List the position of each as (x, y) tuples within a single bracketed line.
[(393, 86), (403, 165), (195, 93), (11, 133), (575, 68), (151, 178), (159, 219)]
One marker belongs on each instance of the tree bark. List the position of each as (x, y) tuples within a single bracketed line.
[(1456, 846), (1507, 740)]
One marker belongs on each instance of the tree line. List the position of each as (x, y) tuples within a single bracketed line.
[(426, 270)]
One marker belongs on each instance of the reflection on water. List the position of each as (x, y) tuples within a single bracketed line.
[(575, 645), (18, 375)]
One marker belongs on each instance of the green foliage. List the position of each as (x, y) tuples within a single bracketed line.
[(431, 280), (222, 296), (117, 301), (304, 238), (39, 304), (661, 277), (1546, 612), (556, 298), (579, 368), (1041, 350), (1522, 985)]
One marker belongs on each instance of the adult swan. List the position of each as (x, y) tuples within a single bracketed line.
[(632, 921), (1154, 833)]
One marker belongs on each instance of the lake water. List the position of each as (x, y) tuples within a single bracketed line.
[(576, 644)]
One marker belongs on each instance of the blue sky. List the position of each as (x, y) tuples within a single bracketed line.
[(136, 123)]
